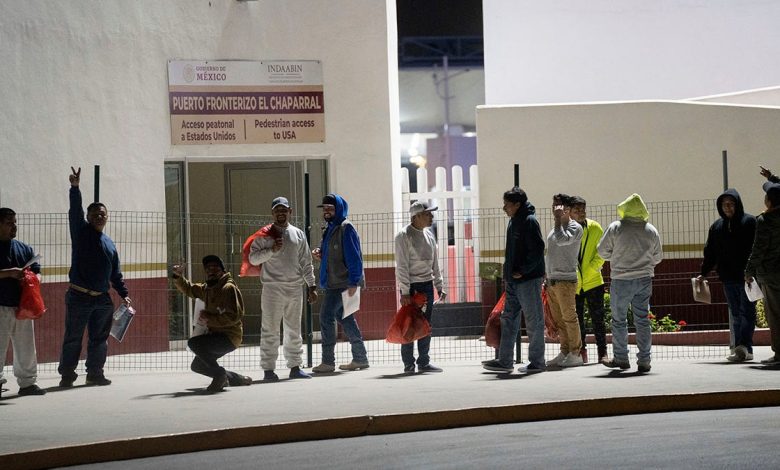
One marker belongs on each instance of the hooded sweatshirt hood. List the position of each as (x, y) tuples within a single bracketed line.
[(633, 208), (342, 210), (739, 209)]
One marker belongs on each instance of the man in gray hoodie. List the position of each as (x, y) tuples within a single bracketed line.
[(563, 247), (633, 248)]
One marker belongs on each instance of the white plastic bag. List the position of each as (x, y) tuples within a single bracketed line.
[(198, 328)]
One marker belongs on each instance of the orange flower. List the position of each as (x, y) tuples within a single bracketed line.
[(682, 323), (651, 316)]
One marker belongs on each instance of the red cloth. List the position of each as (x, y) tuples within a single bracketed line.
[(31, 305), (409, 324), (248, 269), (493, 325)]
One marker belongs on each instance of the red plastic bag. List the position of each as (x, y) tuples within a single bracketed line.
[(493, 325), (31, 305), (409, 324), (248, 269), (550, 328)]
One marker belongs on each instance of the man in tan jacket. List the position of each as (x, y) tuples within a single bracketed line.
[(221, 317)]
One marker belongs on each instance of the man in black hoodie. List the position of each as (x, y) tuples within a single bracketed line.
[(728, 246), (523, 275)]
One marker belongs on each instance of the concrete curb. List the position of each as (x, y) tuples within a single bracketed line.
[(356, 426)]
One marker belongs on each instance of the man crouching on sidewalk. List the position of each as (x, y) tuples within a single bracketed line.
[(222, 317)]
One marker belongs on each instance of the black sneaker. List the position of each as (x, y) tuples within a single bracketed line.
[(496, 366), (99, 380), (530, 369), (616, 363), (270, 376), (239, 380), (643, 367), (67, 380), (429, 368), (409, 370), (297, 373), (218, 384), (32, 390)]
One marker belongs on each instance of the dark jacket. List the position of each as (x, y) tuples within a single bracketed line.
[(94, 258), (342, 260), (14, 254), (524, 252), (764, 261), (729, 241)]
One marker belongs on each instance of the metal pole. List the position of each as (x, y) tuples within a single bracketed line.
[(97, 183), (725, 170), (519, 343), (307, 231), (447, 148)]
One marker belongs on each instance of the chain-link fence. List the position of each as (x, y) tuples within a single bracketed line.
[(149, 243)]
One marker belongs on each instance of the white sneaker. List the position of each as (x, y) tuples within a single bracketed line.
[(572, 360), (739, 355), (557, 361)]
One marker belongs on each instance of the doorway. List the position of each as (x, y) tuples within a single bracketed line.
[(230, 201)]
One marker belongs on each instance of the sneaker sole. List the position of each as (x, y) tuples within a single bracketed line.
[(617, 366), (498, 369)]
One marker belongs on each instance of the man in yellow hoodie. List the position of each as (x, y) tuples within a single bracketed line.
[(591, 283), (224, 309), (633, 248)]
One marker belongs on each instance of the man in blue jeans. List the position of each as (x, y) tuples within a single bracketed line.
[(341, 270), (94, 269), (523, 274), (728, 246), (417, 270), (633, 248)]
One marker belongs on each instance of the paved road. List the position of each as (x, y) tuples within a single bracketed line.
[(739, 439)]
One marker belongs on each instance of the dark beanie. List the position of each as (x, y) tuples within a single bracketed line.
[(213, 259), (772, 193)]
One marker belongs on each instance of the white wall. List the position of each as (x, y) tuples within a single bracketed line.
[(85, 82), (665, 151), (542, 51)]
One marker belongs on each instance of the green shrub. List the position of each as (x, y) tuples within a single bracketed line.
[(664, 324)]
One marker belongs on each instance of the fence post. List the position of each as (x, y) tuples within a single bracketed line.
[(97, 183), (307, 227)]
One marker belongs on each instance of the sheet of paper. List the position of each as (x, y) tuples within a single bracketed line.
[(701, 291), (753, 291), (351, 304), (198, 329), (34, 260)]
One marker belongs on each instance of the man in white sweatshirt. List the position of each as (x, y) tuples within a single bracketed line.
[(563, 248), (633, 248), (286, 265), (417, 270)]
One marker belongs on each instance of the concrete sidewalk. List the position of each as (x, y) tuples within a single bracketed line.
[(144, 414)]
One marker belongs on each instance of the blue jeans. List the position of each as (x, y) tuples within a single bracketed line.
[(636, 293), (423, 344), (743, 313), (525, 297), (94, 314), (331, 312)]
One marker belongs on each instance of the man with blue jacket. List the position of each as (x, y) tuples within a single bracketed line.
[(341, 269), (94, 269)]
